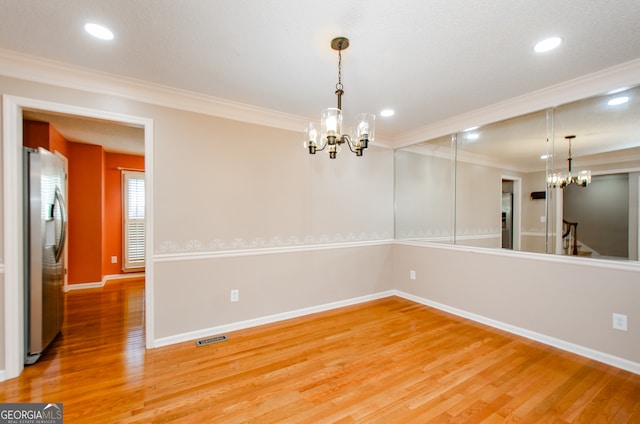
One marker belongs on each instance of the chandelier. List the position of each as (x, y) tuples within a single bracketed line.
[(563, 179), (329, 135)]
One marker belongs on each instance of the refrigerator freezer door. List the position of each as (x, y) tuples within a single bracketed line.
[(44, 262)]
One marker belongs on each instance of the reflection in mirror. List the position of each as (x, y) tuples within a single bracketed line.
[(424, 191), (497, 167), (488, 187), (601, 219)]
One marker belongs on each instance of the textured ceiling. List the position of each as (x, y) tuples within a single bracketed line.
[(428, 60)]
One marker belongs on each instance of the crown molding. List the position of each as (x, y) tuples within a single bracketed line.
[(31, 68), (624, 75), (21, 66)]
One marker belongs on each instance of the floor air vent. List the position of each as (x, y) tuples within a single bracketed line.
[(211, 340)]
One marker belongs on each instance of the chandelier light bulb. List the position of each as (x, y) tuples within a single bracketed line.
[(332, 125)]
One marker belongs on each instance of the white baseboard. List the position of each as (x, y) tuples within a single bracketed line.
[(122, 276), (3, 376), (208, 332), (605, 358), (99, 284), (83, 286)]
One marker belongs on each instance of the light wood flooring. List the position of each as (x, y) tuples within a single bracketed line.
[(387, 361)]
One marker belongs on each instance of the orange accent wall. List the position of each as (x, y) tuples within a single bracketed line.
[(57, 142), (113, 208), (35, 134), (42, 134), (85, 201)]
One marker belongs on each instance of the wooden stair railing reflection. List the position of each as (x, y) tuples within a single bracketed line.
[(570, 237)]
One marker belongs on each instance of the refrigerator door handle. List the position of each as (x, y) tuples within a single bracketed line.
[(58, 250)]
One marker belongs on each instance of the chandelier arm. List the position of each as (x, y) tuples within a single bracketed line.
[(350, 143), (323, 147)]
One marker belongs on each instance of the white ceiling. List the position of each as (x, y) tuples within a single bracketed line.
[(428, 60)]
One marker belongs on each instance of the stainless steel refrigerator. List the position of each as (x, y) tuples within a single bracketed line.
[(45, 224)]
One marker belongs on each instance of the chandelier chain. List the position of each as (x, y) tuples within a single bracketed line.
[(339, 85)]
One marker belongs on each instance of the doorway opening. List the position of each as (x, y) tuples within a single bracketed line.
[(13, 112), (510, 207)]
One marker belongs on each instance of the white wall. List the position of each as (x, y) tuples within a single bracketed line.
[(423, 196)]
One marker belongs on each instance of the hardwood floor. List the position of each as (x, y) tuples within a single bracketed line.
[(387, 361)]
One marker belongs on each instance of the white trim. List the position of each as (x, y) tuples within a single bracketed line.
[(638, 227), (127, 263), (125, 276), (149, 288), (32, 68), (2, 375), (190, 256), (460, 237), (12, 168), (37, 69), (544, 257), (241, 325), (606, 358), (558, 194), (535, 234), (623, 75), (436, 239), (517, 206), (105, 280), (84, 286), (13, 238), (615, 171)]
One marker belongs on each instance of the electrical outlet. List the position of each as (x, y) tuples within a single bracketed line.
[(114, 259), (412, 275), (619, 322), (235, 295)]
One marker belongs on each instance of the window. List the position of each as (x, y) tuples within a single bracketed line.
[(133, 220)]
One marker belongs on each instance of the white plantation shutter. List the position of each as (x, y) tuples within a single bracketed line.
[(133, 219)]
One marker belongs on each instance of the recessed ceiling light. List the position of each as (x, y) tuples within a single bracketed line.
[(472, 136), (618, 90), (99, 31), (618, 101), (387, 112), (548, 44)]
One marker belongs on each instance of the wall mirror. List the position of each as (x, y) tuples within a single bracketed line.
[(489, 186)]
